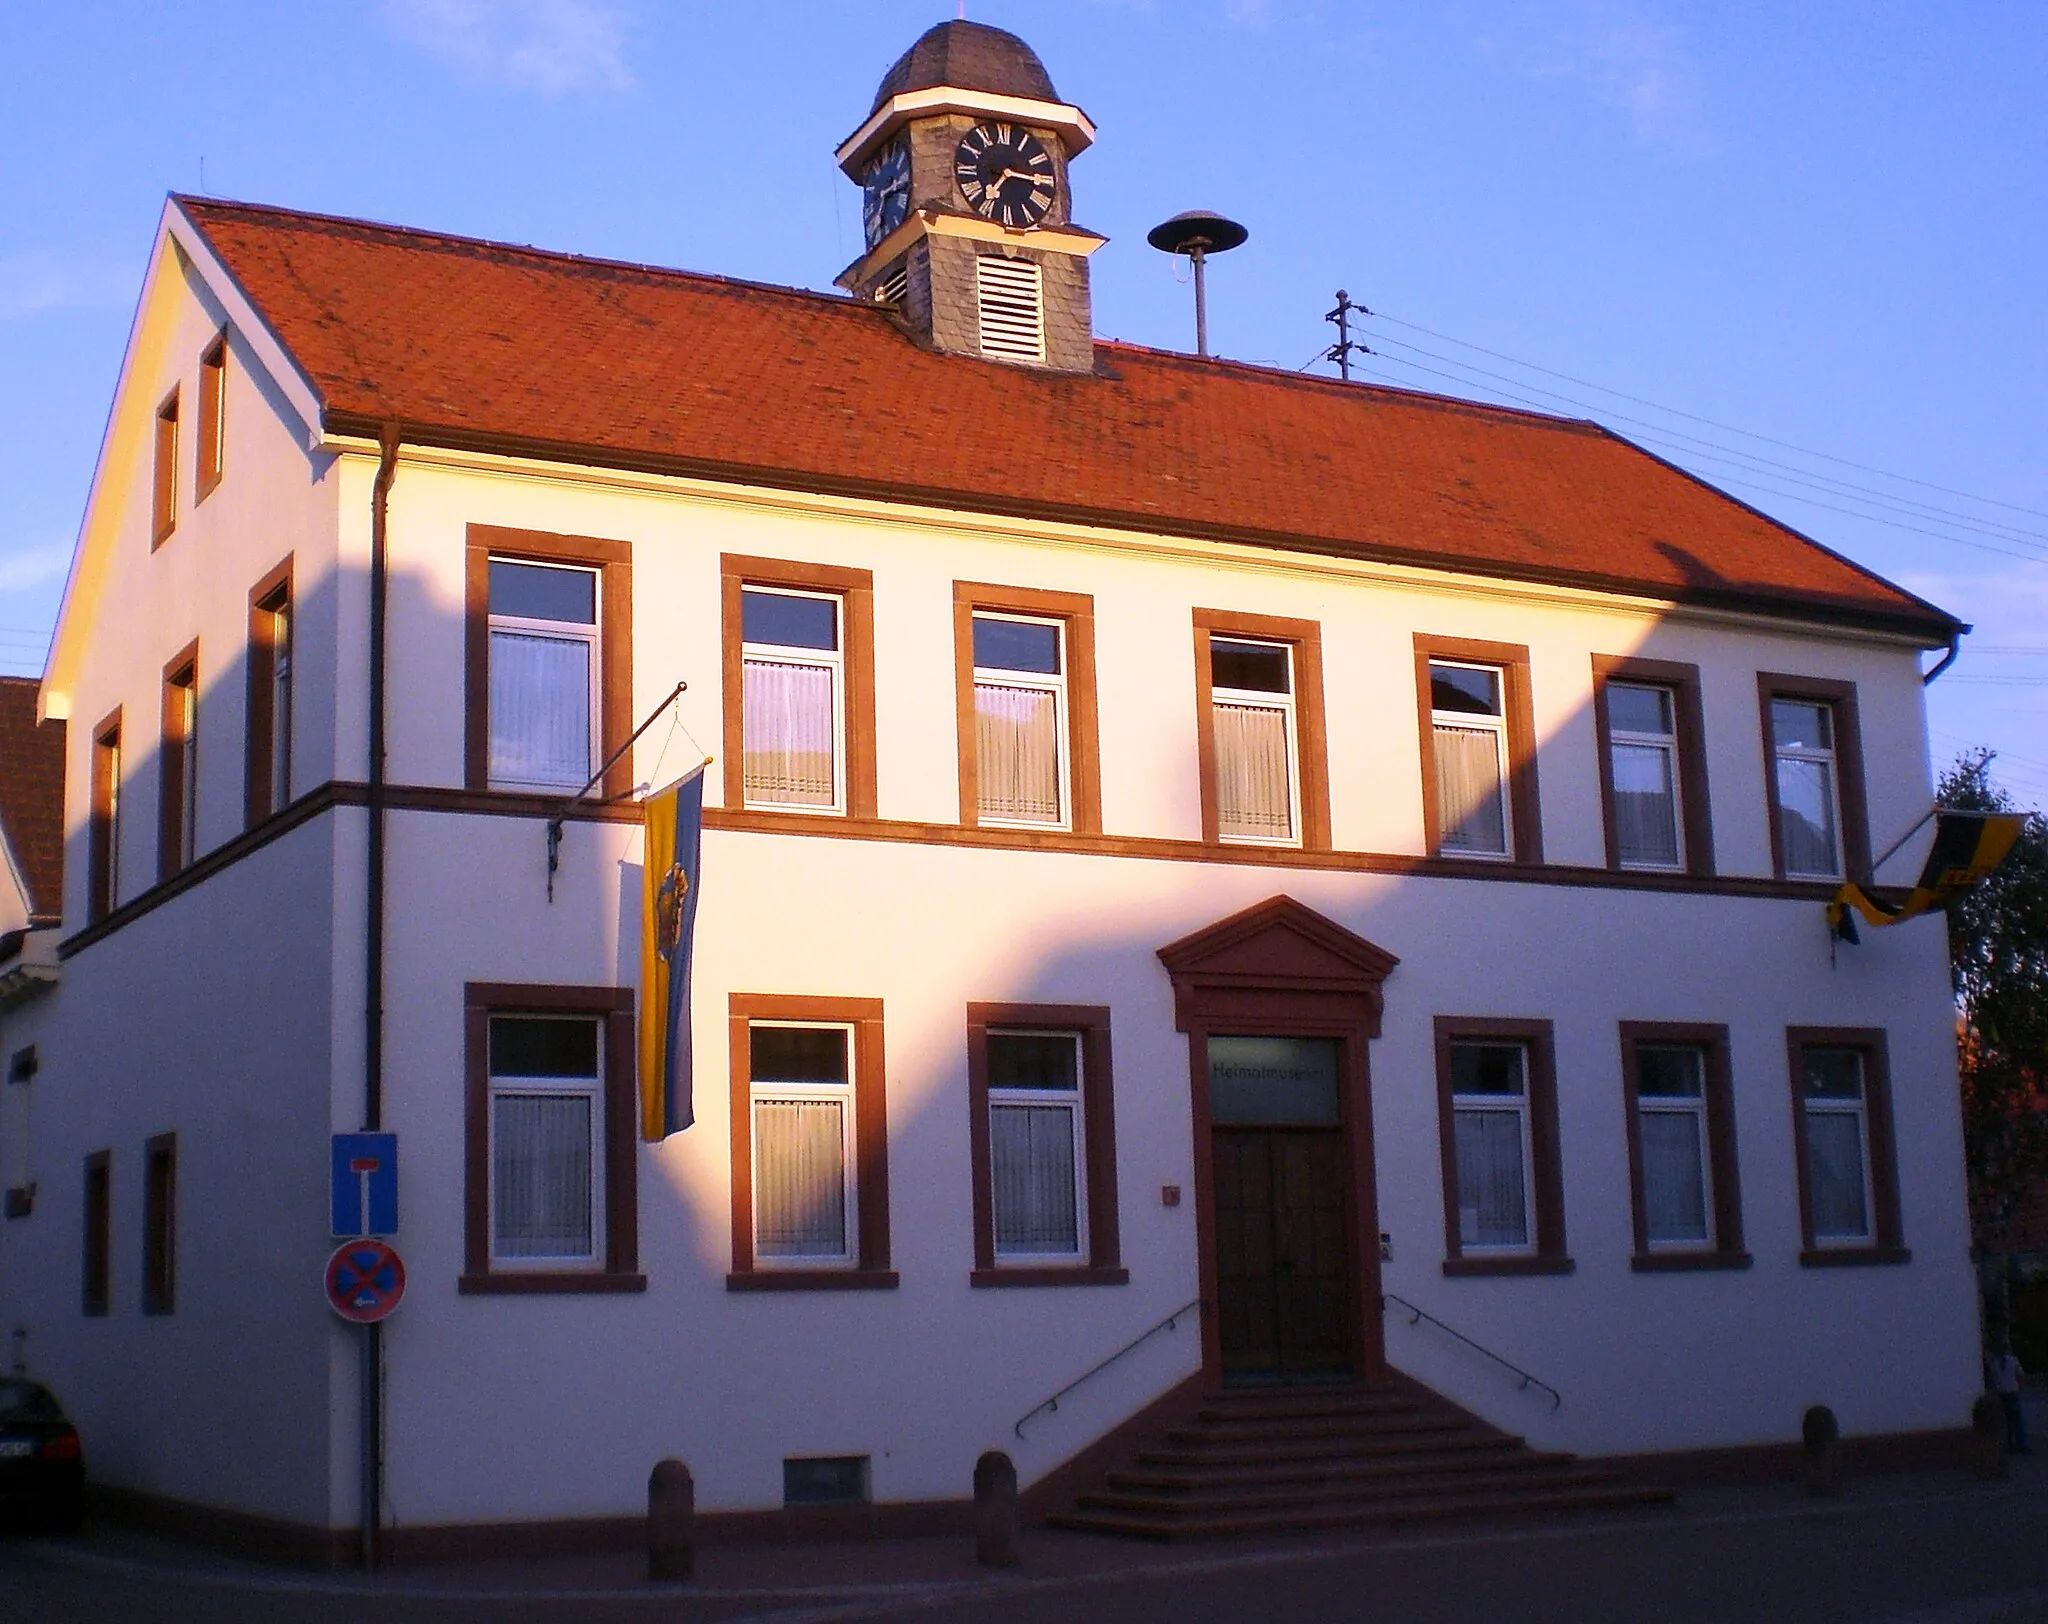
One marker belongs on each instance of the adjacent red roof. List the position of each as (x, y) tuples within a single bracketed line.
[(32, 795), (496, 347)]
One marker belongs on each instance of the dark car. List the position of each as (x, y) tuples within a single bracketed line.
[(42, 1464)]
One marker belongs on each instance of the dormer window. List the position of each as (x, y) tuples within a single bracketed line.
[(1010, 298)]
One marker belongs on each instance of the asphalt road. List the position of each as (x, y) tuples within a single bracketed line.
[(1929, 1550)]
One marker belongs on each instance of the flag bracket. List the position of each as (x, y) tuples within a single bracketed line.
[(560, 819)]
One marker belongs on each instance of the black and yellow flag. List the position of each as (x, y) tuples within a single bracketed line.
[(1967, 847)]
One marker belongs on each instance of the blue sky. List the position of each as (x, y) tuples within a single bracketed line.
[(1824, 225)]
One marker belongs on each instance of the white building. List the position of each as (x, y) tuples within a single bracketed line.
[(1180, 832)]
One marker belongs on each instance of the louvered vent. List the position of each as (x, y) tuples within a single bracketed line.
[(1012, 308), (894, 285)]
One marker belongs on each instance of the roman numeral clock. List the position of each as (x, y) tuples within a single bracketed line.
[(1005, 174)]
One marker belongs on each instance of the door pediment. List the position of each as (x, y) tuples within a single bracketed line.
[(1279, 946)]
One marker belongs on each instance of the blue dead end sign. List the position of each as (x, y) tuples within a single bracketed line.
[(365, 1280), (364, 1188)]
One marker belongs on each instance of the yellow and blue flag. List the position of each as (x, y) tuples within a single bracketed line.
[(1967, 847), (674, 822)]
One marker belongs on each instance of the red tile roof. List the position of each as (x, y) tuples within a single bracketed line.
[(495, 347), (32, 794)]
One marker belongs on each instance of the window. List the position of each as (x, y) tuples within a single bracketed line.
[(1653, 765), (795, 699), (549, 672), (1842, 1127), (1043, 1135), (103, 845), (799, 687), (1259, 692), (810, 1167), (178, 811), (1010, 303), (1025, 697), (97, 1293), (269, 786), (1478, 750), (1814, 778), (551, 1201), (1686, 1207), (213, 377), (1497, 1100), (163, 512), (544, 675), (160, 1225)]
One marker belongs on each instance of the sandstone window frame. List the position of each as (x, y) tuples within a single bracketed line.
[(1080, 746), (1310, 744), (1524, 804)]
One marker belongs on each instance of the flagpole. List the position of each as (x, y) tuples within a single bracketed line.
[(556, 822), (1892, 850)]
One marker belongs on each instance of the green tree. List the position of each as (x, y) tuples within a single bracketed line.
[(1998, 954)]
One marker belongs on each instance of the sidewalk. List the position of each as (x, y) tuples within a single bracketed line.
[(889, 1575)]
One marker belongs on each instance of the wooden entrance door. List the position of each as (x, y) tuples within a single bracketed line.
[(1283, 1258)]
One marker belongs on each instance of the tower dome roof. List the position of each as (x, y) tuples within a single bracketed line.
[(968, 56)]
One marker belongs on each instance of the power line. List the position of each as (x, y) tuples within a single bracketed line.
[(1749, 434)]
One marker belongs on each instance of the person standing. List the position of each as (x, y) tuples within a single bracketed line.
[(2003, 1367)]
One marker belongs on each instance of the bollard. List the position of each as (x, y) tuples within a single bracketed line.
[(1987, 1437), (995, 1511), (671, 1521), (1820, 1456)]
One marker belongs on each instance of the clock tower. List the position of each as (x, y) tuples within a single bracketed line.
[(962, 165)]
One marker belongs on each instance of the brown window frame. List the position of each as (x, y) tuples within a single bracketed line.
[(855, 589), (1688, 718), (1887, 1243), (1849, 786), (1525, 808), (163, 498), (213, 383), (620, 1269), (1724, 1193), (1076, 613), (177, 814), (96, 1283), (160, 1224), (1545, 1173), (1103, 1265), (103, 832), (613, 562), (268, 598), (1312, 738), (872, 1270)]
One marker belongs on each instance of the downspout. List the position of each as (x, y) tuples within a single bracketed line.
[(1955, 647), (373, 974)]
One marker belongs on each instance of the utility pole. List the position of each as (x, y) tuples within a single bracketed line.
[(1341, 351)]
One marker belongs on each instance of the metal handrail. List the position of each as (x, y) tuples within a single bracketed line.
[(1051, 1405), (1417, 1315)]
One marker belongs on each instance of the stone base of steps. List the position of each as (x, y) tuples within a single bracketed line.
[(1271, 1461)]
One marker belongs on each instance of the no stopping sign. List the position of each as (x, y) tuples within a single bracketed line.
[(365, 1280)]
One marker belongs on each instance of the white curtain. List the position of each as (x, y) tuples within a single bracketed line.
[(1031, 1148), (1493, 1202), (1471, 808), (1252, 793), (789, 733), (1834, 1175), (1017, 752), (800, 1178), (540, 709), (540, 1174), (1674, 1183), (1806, 816), (1645, 804)]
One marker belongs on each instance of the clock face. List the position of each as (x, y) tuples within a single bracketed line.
[(885, 191), (1005, 174)]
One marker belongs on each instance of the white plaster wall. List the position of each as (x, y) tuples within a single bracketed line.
[(207, 1017), (526, 1407), (274, 499)]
